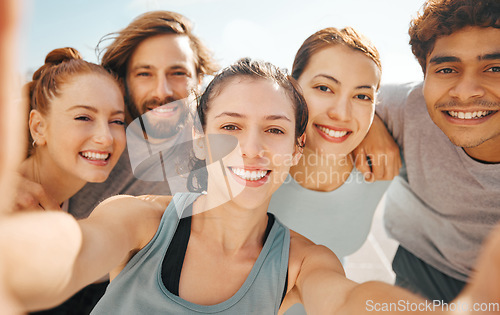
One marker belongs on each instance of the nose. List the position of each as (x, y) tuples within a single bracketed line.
[(341, 109), (467, 87), (162, 89), (251, 145), (103, 135)]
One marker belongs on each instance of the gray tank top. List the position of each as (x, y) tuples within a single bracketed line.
[(139, 288)]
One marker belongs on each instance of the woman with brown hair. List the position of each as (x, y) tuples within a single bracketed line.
[(76, 125), (77, 134), (325, 197)]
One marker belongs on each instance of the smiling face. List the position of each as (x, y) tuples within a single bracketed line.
[(259, 114), (160, 73), (339, 85), (462, 90), (84, 131)]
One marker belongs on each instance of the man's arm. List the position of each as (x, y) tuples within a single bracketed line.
[(377, 156)]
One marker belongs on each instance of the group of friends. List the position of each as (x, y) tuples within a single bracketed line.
[(144, 192)]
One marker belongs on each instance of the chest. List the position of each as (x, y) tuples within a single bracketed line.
[(209, 277)]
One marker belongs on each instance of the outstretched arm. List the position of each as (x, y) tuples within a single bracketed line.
[(323, 288), (484, 285), (51, 255), (380, 148)]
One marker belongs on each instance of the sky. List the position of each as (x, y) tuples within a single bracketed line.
[(270, 30)]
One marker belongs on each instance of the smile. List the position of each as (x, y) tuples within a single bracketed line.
[(333, 133), (470, 115), (164, 109), (94, 156), (248, 175)]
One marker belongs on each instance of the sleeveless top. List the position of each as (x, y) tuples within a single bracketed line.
[(139, 288), (340, 219)]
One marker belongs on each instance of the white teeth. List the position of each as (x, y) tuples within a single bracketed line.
[(249, 175), (469, 115), (164, 109), (95, 156), (333, 133)]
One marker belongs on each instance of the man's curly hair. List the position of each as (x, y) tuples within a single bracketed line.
[(444, 17)]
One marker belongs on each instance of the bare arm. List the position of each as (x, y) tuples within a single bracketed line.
[(322, 287), (383, 152), (61, 255)]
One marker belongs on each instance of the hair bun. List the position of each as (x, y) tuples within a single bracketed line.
[(56, 57), (61, 55)]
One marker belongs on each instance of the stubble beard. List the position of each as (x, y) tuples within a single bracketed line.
[(159, 128)]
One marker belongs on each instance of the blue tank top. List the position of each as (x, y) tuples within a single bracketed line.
[(139, 289)]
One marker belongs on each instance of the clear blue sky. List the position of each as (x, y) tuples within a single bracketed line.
[(271, 30)]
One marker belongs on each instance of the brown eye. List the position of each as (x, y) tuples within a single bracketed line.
[(82, 118), (276, 131), (445, 71), (363, 97), (493, 69), (323, 88), (230, 127)]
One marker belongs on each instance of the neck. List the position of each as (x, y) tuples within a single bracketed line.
[(320, 172), (232, 227), (487, 152), (58, 186)]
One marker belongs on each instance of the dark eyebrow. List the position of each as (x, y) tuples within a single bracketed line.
[(329, 77), (92, 109), (141, 66), (443, 59), (365, 87), (148, 67), (492, 56), (237, 115)]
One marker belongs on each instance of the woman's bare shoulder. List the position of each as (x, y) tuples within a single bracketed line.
[(127, 203)]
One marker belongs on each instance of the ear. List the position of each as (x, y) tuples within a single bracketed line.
[(38, 127), (199, 145), (299, 149)]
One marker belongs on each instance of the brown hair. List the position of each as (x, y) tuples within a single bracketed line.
[(331, 36), (255, 69), (247, 68), (147, 25), (60, 66), (444, 17)]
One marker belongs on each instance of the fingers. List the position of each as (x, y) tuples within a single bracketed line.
[(386, 165), (361, 162), (32, 196)]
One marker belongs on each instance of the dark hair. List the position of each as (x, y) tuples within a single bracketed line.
[(444, 17), (151, 24), (247, 68), (257, 70), (60, 66), (331, 36)]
